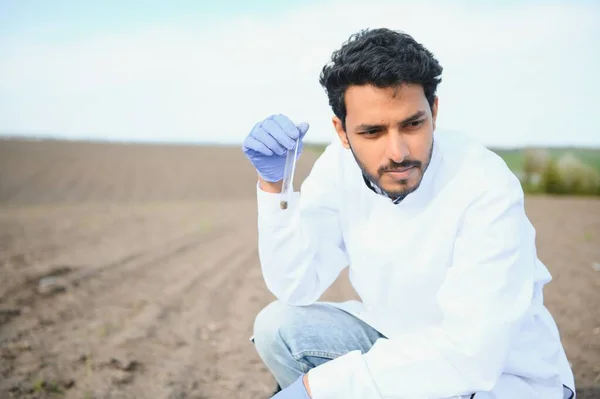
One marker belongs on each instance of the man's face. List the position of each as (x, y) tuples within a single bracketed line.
[(390, 133)]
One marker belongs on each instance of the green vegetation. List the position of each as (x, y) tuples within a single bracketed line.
[(564, 171), (515, 158), (554, 170)]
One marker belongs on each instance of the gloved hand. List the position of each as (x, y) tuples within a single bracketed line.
[(267, 144), (296, 390)]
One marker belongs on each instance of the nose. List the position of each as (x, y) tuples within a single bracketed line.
[(397, 148)]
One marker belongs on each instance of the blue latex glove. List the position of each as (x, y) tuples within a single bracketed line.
[(268, 143), (295, 390)]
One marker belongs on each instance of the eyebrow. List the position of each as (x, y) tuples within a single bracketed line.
[(417, 115), (412, 118)]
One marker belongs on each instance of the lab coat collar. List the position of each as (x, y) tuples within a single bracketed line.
[(376, 189)]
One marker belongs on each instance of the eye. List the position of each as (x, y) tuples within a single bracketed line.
[(369, 133)]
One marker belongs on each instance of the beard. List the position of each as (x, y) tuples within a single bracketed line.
[(400, 192)]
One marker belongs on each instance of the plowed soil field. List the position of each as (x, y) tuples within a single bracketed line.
[(131, 271)]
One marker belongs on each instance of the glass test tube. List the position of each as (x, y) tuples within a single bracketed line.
[(288, 176)]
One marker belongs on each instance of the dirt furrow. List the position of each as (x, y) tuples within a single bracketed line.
[(207, 328), (123, 247), (44, 252), (164, 325), (251, 379), (79, 312), (129, 276), (174, 290), (145, 260)]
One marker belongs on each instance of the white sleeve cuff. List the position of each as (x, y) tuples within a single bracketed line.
[(344, 377), (269, 206)]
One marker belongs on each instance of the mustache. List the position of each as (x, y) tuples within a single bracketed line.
[(395, 166)]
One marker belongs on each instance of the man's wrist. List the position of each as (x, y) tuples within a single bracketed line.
[(270, 187)]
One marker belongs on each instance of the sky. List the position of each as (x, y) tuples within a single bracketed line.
[(516, 73)]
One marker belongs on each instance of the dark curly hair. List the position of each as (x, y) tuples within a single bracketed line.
[(380, 57)]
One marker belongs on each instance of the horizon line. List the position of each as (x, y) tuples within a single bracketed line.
[(156, 142)]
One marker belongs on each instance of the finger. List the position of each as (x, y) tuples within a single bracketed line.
[(267, 139), (275, 130), (288, 127), (255, 145), (303, 128)]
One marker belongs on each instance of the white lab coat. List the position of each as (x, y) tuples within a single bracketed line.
[(450, 276)]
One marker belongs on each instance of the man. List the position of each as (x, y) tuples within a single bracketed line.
[(435, 235)]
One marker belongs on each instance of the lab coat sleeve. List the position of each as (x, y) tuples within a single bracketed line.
[(301, 248), (486, 292)]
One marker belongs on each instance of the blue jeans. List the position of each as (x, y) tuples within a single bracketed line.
[(291, 340)]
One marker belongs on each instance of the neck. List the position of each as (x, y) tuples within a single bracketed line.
[(378, 190)]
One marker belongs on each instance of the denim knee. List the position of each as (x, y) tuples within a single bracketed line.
[(292, 339), (272, 328), (280, 329), (296, 330), (267, 324)]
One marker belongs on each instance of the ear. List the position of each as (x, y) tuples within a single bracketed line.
[(434, 111), (339, 129)]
